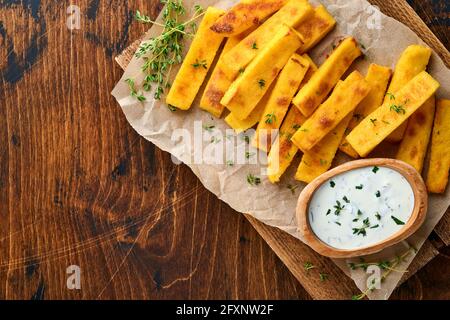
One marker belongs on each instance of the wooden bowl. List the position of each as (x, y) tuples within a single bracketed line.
[(416, 220)]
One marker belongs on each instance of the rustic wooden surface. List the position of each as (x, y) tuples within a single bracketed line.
[(79, 186)]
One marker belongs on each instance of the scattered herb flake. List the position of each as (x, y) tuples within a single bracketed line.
[(270, 118), (360, 187), (346, 199), (308, 266), (378, 194), (362, 230), (397, 221), (172, 108), (339, 207), (208, 128), (390, 95), (254, 46), (332, 184), (323, 276), (378, 216), (253, 180), (261, 83), (201, 63), (248, 154), (375, 169), (292, 188), (398, 108)]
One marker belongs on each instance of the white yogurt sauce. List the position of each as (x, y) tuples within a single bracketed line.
[(361, 207)]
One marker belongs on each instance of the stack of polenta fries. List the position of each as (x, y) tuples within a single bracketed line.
[(265, 77)]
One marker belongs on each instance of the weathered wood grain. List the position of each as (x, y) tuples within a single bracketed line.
[(79, 186)]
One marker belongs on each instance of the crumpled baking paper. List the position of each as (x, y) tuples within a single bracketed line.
[(383, 40)]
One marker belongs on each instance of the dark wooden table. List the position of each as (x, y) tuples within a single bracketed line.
[(79, 187)]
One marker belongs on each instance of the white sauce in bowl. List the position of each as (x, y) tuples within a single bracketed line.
[(361, 207)]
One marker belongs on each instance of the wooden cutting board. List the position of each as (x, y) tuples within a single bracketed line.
[(292, 251)]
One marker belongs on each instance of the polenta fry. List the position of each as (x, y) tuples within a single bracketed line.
[(383, 121), (242, 125), (417, 136), (315, 28), (244, 15), (283, 150), (378, 78), (285, 88), (437, 178), (412, 61), (292, 14), (324, 80), (344, 99), (319, 159), (218, 83), (197, 62), (244, 93)]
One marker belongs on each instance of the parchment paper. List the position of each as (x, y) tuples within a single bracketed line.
[(275, 204)]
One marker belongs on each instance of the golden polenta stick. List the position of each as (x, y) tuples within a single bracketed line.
[(280, 99), (218, 83), (378, 77), (417, 136), (244, 93), (292, 14), (319, 159), (437, 178), (242, 125), (244, 15), (283, 150), (315, 28), (344, 99), (413, 61), (197, 62), (324, 80), (383, 121)]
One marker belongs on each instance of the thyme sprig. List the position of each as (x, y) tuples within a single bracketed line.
[(388, 266), (164, 51)]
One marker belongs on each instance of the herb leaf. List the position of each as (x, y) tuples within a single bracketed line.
[(397, 221), (261, 83), (270, 118), (201, 63), (253, 180), (308, 266)]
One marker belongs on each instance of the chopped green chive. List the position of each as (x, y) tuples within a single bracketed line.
[(375, 169), (359, 187), (332, 184), (397, 221)]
